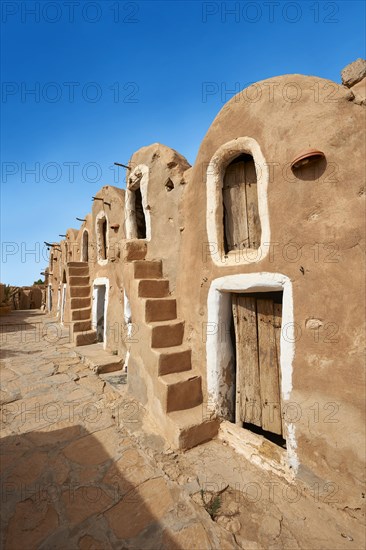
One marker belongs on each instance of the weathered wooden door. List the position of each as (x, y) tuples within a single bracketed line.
[(242, 227), (257, 324)]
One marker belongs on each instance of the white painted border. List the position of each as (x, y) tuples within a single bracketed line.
[(127, 314), (101, 215), (49, 299), (130, 224), (219, 350), (100, 281), (214, 215), (58, 300)]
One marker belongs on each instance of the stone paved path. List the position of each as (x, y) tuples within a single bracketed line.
[(71, 477), (82, 467)]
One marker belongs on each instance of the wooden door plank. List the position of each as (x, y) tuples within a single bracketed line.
[(277, 311), (268, 368), (254, 226), (248, 398), (235, 207), (238, 374)]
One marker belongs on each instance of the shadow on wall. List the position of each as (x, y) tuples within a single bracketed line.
[(62, 489), (310, 170)]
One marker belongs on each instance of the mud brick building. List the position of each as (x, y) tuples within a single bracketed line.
[(232, 288)]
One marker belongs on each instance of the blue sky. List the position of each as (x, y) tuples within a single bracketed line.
[(111, 77)]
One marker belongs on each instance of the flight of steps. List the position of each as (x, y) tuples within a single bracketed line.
[(80, 304), (181, 387)]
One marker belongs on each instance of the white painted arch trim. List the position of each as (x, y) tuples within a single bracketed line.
[(214, 214), (131, 229), (100, 281), (219, 350)]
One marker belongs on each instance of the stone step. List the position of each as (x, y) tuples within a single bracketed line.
[(85, 338), (192, 427), (160, 309), (98, 359), (167, 334), (79, 281), (81, 313), (77, 264), (175, 359), (183, 390), (79, 303), (82, 325), (147, 269), (153, 288), (79, 291), (79, 271)]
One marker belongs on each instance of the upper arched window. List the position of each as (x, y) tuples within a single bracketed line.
[(102, 237), (242, 227), (138, 224), (237, 212)]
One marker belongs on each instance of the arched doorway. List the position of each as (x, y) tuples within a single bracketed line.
[(49, 297), (102, 237), (138, 224), (100, 308), (63, 296), (85, 247)]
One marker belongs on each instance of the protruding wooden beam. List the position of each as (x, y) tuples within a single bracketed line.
[(123, 165)]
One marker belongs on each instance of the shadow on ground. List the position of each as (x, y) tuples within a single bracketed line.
[(61, 489)]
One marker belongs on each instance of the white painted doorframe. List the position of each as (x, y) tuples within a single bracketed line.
[(63, 302), (99, 282), (219, 350)]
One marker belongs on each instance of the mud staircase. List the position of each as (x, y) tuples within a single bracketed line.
[(180, 390), (80, 304)]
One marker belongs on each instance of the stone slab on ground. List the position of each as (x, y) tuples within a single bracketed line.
[(83, 467), (98, 359), (71, 476)]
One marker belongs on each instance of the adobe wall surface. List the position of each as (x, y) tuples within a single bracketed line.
[(54, 276), (163, 178), (312, 248), (30, 297), (315, 226), (109, 202), (110, 269)]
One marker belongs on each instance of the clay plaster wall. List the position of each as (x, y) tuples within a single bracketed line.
[(314, 237), (312, 242), (109, 203), (111, 267), (159, 172), (30, 297), (163, 183), (56, 263)]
